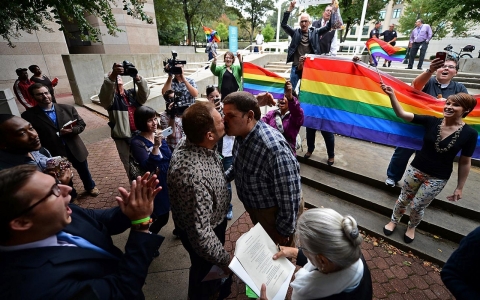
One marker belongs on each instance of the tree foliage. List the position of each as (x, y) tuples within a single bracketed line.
[(170, 23), (268, 33), (442, 19), (273, 19), (351, 12), (17, 16), (222, 31), (252, 13)]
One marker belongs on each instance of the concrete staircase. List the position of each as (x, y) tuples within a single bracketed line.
[(355, 185)]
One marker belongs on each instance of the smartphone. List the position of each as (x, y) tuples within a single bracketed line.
[(442, 55), (167, 132)]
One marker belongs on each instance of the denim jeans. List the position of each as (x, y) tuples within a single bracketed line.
[(398, 163), (327, 136), (82, 169), (294, 77), (413, 53)]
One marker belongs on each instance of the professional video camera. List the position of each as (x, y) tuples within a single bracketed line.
[(179, 105), (172, 64), (128, 69)]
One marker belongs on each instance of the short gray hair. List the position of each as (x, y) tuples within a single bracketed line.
[(324, 231), (304, 15)]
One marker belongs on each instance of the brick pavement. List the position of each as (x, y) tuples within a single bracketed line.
[(395, 274)]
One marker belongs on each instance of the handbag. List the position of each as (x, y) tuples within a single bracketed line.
[(134, 169)]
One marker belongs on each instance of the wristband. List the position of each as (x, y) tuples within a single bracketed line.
[(141, 221), (429, 71)]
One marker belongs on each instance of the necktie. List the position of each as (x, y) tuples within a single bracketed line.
[(82, 243)]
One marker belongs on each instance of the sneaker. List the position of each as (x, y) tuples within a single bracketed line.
[(389, 63), (390, 182), (384, 65), (230, 214), (94, 192)]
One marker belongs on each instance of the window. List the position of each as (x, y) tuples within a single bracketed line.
[(383, 14), (365, 30), (396, 13), (353, 30)]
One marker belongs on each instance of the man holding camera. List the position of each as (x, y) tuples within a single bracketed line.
[(185, 87), (171, 118), (121, 105)]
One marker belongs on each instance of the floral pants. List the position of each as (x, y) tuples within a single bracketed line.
[(419, 189)]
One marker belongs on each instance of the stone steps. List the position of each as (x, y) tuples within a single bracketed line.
[(356, 181)]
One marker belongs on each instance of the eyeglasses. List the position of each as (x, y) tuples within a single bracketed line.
[(228, 58), (41, 94), (451, 67), (304, 21), (55, 190)]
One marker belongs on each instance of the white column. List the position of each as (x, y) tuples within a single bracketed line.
[(362, 21)]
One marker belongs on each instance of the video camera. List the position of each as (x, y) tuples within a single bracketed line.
[(179, 105), (171, 63), (128, 69)]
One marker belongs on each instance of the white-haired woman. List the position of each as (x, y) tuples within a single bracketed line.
[(329, 252)]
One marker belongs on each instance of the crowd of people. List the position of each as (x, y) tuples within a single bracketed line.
[(187, 157)]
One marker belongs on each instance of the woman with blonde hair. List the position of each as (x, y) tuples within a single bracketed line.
[(431, 168), (329, 252)]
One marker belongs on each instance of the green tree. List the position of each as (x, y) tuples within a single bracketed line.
[(351, 11), (268, 33), (442, 21), (170, 23), (272, 20), (198, 12), (222, 31), (252, 13), (26, 15)]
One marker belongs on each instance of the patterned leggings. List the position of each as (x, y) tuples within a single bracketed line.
[(419, 189)]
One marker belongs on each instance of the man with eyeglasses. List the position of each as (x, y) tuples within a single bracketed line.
[(441, 87), (121, 105), (59, 126), (52, 250)]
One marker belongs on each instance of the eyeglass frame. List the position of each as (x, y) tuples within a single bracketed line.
[(54, 190), (451, 67)]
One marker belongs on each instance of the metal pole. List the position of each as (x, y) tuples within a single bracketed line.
[(278, 20), (362, 20)]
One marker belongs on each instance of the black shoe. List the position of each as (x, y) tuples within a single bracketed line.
[(307, 155), (176, 233), (389, 63), (330, 162), (388, 232), (419, 69), (406, 239), (384, 65), (408, 68)]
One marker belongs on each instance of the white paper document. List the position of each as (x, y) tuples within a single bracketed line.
[(253, 263)]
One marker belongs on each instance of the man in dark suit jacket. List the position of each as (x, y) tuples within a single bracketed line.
[(49, 121), (38, 261)]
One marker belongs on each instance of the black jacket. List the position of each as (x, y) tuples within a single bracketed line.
[(296, 34)]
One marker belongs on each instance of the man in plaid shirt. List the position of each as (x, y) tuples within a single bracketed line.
[(266, 173)]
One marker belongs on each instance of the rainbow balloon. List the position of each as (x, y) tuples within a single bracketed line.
[(344, 97), (379, 48), (258, 80)]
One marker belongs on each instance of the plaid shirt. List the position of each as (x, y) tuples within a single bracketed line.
[(267, 174), (177, 135)]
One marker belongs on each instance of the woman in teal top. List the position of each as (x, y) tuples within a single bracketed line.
[(229, 75)]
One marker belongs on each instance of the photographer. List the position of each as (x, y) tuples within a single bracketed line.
[(180, 84), (171, 118), (121, 105)]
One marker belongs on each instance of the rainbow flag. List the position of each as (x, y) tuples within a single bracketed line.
[(344, 97), (212, 34), (258, 80), (379, 48)]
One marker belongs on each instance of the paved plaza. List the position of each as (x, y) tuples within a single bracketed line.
[(395, 274)]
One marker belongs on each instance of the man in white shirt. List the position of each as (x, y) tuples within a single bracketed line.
[(259, 41), (328, 41)]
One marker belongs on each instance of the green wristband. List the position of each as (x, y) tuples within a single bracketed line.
[(141, 220)]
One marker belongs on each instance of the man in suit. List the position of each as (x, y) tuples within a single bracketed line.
[(52, 250), (49, 121)]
